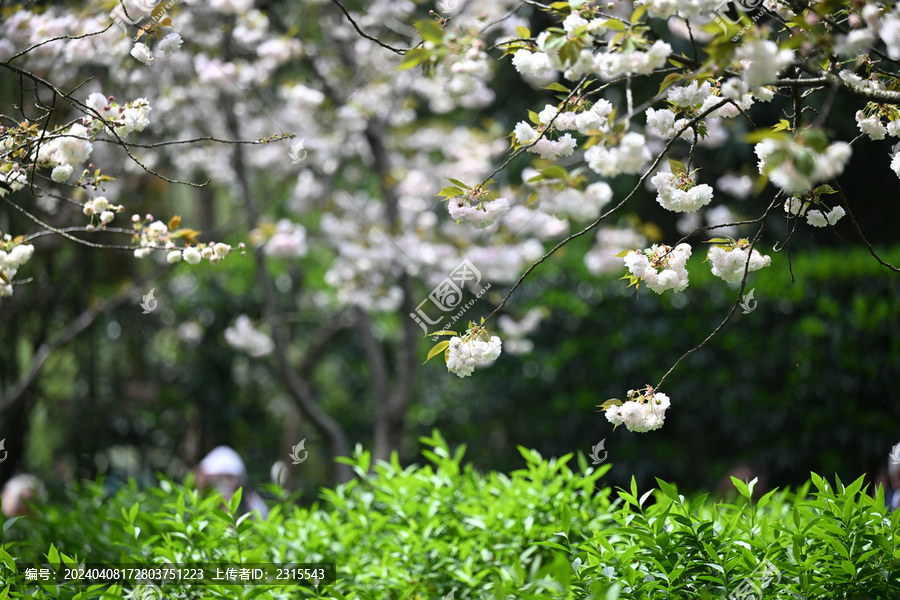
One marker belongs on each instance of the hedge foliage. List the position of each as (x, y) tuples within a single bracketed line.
[(548, 530)]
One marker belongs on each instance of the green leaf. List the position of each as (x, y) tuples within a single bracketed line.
[(554, 172), (555, 41), (610, 402), (9, 523), (766, 498), (697, 502), (430, 31), (441, 332), (668, 489), (557, 87), (53, 557), (437, 349), (766, 134), (677, 167), (566, 519), (450, 191), (782, 125), (235, 501), (848, 567), (413, 58), (523, 32), (639, 12), (669, 80), (457, 182), (741, 486)]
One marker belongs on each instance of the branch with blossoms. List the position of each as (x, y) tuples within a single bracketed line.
[(32, 151), (722, 81)]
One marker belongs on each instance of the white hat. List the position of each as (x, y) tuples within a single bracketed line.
[(223, 460), (19, 490)]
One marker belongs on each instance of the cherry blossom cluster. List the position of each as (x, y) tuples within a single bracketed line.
[(679, 192), (244, 336), (729, 260), (121, 120), (13, 254), (689, 101), (660, 267), (545, 56), (591, 120), (605, 256), (544, 147), (515, 332), (798, 206), (69, 146), (473, 206), (630, 156), (645, 410), (568, 49), (796, 164), (101, 211), (167, 46), (286, 240), (151, 234), (562, 198), (473, 349), (869, 121), (462, 74)]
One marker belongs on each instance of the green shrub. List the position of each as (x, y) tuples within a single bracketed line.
[(544, 531)]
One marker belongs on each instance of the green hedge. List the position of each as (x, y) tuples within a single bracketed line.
[(544, 531)]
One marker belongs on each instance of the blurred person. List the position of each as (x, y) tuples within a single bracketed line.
[(20, 494), (894, 477), (223, 470), (279, 473)]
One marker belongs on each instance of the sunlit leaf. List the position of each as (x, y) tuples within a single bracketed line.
[(437, 349)]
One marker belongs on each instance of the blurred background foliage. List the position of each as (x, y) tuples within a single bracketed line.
[(804, 382)]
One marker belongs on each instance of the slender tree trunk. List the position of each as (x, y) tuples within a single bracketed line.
[(298, 388)]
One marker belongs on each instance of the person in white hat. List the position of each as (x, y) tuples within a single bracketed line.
[(894, 475), (223, 470), (20, 494)]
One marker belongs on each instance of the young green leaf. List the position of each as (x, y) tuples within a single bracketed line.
[(437, 349)]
